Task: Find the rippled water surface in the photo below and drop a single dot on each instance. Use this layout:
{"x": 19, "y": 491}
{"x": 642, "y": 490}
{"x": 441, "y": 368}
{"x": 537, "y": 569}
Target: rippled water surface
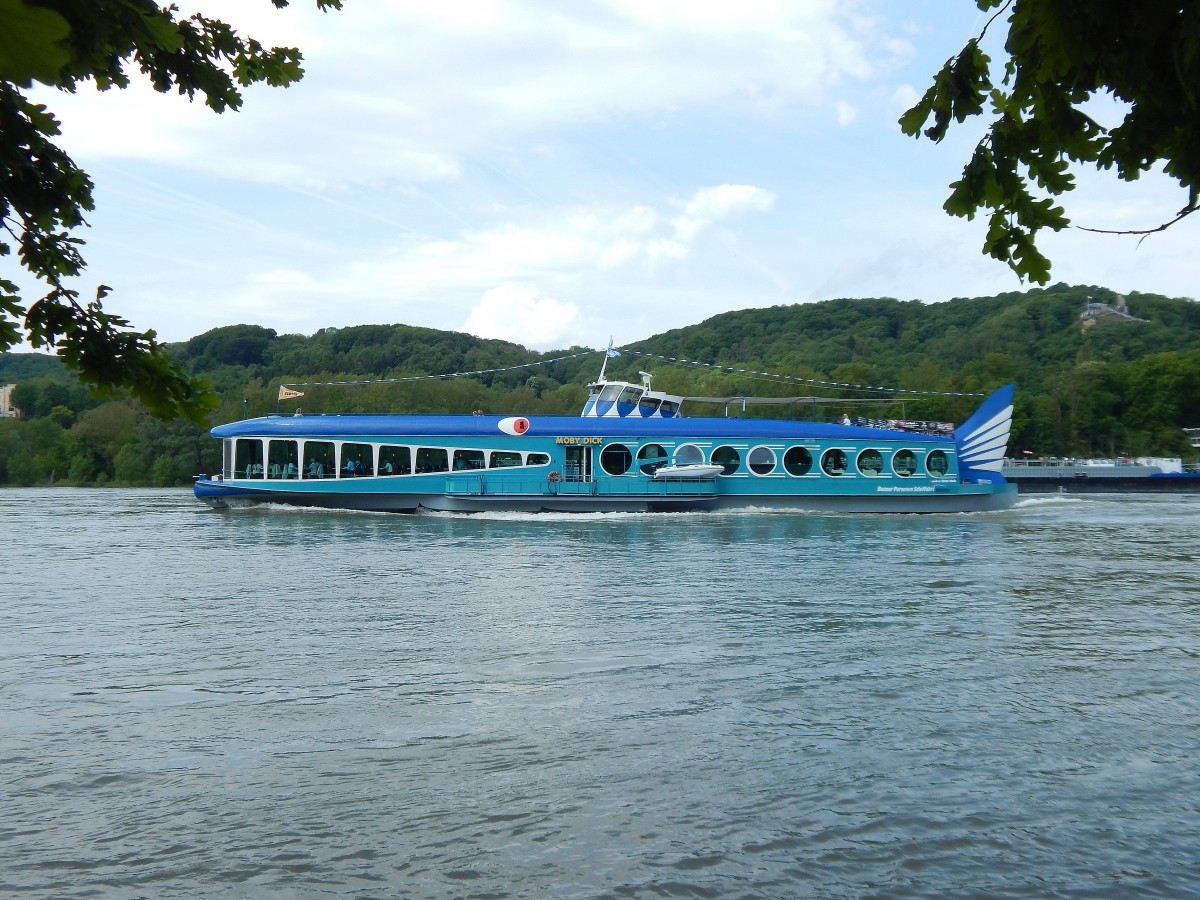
{"x": 313, "y": 704}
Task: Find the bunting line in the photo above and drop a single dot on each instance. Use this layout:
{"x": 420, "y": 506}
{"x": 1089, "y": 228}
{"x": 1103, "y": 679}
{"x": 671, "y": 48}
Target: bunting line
{"x": 613, "y": 352}
{"x": 540, "y": 362}
{"x": 797, "y": 380}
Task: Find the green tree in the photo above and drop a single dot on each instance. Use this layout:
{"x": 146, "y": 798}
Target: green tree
{"x": 1166, "y": 392}
{"x": 1062, "y": 56}
{"x": 32, "y": 452}
{"x": 37, "y": 398}
{"x": 62, "y": 416}
{"x": 102, "y": 432}
{"x": 44, "y": 195}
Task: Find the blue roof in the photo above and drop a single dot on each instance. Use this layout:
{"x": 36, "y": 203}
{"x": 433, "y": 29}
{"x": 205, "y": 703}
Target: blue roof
{"x": 552, "y": 426}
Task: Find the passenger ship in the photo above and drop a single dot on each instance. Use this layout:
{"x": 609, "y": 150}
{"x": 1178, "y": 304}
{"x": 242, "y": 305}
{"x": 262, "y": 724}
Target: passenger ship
{"x": 632, "y": 449}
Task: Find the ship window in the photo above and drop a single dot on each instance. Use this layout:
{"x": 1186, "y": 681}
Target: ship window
{"x": 318, "y": 459}
{"x": 870, "y": 462}
{"x": 248, "y": 459}
{"x": 688, "y": 454}
{"x": 611, "y": 392}
{"x": 904, "y": 463}
{"x": 834, "y": 462}
{"x": 797, "y": 461}
{"x": 762, "y": 460}
{"x": 727, "y": 458}
{"x": 281, "y": 459}
{"x": 537, "y": 459}
{"x": 468, "y": 459}
{"x": 594, "y": 392}
{"x": 668, "y": 408}
{"x": 615, "y": 459}
{"x": 651, "y": 457}
{"x": 357, "y": 461}
{"x": 630, "y": 395}
{"x": 227, "y": 459}
{"x": 395, "y": 461}
{"x": 649, "y": 405}
{"x": 503, "y": 459}
{"x": 936, "y": 463}
{"x": 432, "y": 459}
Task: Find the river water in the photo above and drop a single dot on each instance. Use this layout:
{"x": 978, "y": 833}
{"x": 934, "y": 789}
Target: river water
{"x": 285, "y": 703}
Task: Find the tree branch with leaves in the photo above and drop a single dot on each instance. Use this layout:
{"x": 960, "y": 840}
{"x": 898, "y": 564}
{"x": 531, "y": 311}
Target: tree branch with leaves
{"x": 44, "y": 196}
{"x": 1063, "y": 55}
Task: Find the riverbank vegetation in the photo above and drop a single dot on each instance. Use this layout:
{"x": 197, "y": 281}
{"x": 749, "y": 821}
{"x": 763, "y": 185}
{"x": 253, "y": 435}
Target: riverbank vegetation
{"x": 1111, "y": 384}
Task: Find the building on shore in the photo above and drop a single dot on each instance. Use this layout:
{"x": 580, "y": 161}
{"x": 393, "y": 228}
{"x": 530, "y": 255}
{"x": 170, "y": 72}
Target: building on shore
{"x": 6, "y": 408}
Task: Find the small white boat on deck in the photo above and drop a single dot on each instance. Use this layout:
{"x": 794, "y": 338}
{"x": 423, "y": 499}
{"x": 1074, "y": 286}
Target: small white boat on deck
{"x": 687, "y": 472}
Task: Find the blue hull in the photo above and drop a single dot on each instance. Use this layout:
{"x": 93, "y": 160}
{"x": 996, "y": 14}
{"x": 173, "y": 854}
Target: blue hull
{"x": 233, "y": 496}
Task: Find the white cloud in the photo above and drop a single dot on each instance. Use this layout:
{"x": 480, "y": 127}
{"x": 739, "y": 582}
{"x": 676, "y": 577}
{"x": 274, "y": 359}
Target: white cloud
{"x": 516, "y": 312}
{"x": 535, "y": 269}
{"x": 408, "y": 90}
{"x": 558, "y": 244}
{"x": 711, "y": 204}
{"x": 846, "y": 113}
{"x": 905, "y": 97}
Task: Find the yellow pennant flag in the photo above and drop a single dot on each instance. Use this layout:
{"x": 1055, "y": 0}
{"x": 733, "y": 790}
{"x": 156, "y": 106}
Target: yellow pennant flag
{"x": 288, "y": 393}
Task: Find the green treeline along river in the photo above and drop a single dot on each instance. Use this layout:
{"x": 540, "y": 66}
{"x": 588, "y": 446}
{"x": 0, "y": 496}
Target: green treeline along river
{"x": 1096, "y": 373}
{"x": 286, "y": 703}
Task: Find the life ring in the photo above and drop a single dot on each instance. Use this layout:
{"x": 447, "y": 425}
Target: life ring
{"x": 554, "y": 477}
{"x": 513, "y": 425}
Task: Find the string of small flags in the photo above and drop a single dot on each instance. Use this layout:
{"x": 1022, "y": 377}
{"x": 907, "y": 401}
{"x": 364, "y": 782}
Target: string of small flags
{"x": 798, "y": 380}
{"x": 540, "y": 362}
{"x": 287, "y": 390}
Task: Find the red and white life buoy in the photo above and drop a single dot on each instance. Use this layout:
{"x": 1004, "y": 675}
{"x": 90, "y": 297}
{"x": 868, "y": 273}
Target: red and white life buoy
{"x": 514, "y": 425}
{"x": 554, "y": 477}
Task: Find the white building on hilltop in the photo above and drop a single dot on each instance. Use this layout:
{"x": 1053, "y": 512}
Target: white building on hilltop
{"x": 1095, "y": 311}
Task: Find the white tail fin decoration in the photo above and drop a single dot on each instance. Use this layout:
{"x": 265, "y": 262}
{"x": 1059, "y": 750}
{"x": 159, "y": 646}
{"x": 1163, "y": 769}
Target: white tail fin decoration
{"x": 983, "y": 439}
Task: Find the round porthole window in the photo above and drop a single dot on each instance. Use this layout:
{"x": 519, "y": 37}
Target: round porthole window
{"x": 797, "y": 461}
{"x": 615, "y": 459}
{"x": 870, "y": 463}
{"x": 689, "y": 455}
{"x": 936, "y": 463}
{"x": 728, "y": 459}
{"x": 834, "y": 462}
{"x": 650, "y": 457}
{"x": 904, "y": 463}
{"x": 762, "y": 460}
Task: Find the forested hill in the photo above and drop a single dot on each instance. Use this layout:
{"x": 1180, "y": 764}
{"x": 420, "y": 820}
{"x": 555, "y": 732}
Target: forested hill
{"x": 1034, "y": 338}
{"x": 1110, "y": 385}
{"x": 1030, "y": 338}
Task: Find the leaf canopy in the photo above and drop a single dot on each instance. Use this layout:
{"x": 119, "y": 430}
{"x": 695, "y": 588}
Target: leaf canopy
{"x": 44, "y": 196}
{"x": 1062, "y": 56}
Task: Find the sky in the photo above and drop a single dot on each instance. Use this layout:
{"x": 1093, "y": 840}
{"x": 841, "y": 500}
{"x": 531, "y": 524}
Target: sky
{"x": 558, "y": 173}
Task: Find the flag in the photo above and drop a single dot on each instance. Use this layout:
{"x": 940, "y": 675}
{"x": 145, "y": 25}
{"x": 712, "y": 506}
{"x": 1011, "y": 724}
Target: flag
{"x": 611, "y": 352}
{"x": 288, "y": 393}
